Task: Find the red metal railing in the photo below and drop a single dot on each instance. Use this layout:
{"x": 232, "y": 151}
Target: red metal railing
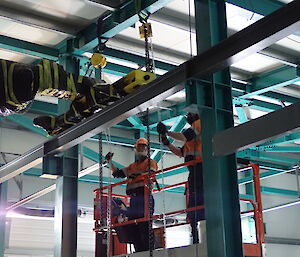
{"x": 251, "y": 249}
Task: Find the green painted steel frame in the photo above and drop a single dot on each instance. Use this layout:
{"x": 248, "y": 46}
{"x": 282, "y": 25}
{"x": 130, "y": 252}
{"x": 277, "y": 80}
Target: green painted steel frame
{"x": 280, "y": 77}
{"x": 66, "y": 196}
{"x": 213, "y": 99}
{"x": 28, "y": 48}
{"x": 114, "y": 22}
{"x": 263, "y": 7}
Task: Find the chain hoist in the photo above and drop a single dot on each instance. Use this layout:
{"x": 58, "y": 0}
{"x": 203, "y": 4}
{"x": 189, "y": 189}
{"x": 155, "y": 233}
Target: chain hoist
{"x": 98, "y": 60}
{"x": 109, "y": 203}
{"x": 150, "y": 202}
{"x": 146, "y": 33}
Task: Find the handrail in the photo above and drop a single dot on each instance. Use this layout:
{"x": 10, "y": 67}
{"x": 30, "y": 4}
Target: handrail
{"x": 257, "y": 206}
{"x": 153, "y": 174}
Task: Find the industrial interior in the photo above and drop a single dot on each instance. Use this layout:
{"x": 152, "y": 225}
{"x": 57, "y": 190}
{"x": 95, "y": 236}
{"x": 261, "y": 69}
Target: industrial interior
{"x": 149, "y": 128}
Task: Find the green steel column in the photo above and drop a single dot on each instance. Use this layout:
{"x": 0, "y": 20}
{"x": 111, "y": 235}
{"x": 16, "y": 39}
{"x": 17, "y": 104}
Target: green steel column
{"x": 65, "y": 226}
{"x": 213, "y": 99}
{"x": 66, "y": 202}
{"x": 3, "y": 204}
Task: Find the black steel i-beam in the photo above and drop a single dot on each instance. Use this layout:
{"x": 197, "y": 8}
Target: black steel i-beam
{"x": 250, "y": 40}
{"x": 258, "y": 131}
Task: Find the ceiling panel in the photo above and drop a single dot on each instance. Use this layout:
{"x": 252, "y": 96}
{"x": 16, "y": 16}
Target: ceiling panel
{"x": 17, "y": 57}
{"x": 30, "y": 33}
{"x": 256, "y": 63}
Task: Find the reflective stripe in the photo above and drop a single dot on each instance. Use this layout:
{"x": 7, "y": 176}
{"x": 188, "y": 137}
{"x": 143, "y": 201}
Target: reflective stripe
{"x": 111, "y": 90}
{"x": 80, "y": 79}
{"x": 47, "y": 74}
{"x": 12, "y": 96}
{"x": 4, "y": 69}
{"x": 52, "y": 122}
{"x": 41, "y": 79}
{"x": 75, "y": 111}
{"x": 55, "y": 72}
{"x": 71, "y": 86}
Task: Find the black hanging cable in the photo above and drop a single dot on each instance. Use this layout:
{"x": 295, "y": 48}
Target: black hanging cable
{"x": 150, "y": 202}
{"x": 100, "y": 173}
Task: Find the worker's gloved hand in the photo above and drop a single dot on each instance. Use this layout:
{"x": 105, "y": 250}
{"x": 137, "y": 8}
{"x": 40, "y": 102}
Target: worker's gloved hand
{"x": 108, "y": 156}
{"x": 161, "y": 128}
{"x": 133, "y": 176}
{"x": 164, "y": 140}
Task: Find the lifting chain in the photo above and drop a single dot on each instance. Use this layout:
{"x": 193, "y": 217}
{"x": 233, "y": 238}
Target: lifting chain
{"x": 109, "y": 207}
{"x": 150, "y": 207}
{"x": 163, "y": 191}
{"x": 100, "y": 176}
{"x": 147, "y": 31}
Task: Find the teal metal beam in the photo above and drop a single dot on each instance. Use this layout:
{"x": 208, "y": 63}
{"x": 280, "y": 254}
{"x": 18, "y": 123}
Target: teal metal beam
{"x": 114, "y": 22}
{"x": 264, "y": 106}
{"x": 43, "y": 107}
{"x": 279, "y": 141}
{"x": 241, "y": 114}
{"x": 26, "y": 123}
{"x": 282, "y": 97}
{"x": 136, "y": 122}
{"x": 270, "y": 157}
{"x": 214, "y": 100}
{"x": 28, "y": 48}
{"x": 279, "y": 191}
{"x": 263, "y": 7}
{"x": 263, "y": 175}
{"x": 283, "y": 149}
{"x": 275, "y": 79}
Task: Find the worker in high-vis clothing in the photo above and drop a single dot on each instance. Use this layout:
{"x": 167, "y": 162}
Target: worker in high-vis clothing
{"x": 191, "y": 150}
{"x": 135, "y": 189}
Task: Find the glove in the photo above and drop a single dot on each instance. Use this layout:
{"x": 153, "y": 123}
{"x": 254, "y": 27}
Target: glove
{"x": 133, "y": 176}
{"x": 164, "y": 140}
{"x": 108, "y": 156}
{"x": 161, "y": 128}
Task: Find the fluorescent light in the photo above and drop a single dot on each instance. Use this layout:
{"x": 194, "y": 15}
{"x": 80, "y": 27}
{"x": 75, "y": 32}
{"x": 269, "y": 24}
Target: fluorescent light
{"x": 274, "y": 208}
{"x": 281, "y": 206}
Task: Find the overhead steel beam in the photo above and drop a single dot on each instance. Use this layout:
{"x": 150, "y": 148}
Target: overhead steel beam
{"x": 267, "y": 31}
{"x": 263, "y": 7}
{"x": 111, "y": 4}
{"x": 22, "y": 163}
{"x": 275, "y": 79}
{"x": 258, "y": 131}
{"x": 28, "y": 48}
{"x": 115, "y": 22}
